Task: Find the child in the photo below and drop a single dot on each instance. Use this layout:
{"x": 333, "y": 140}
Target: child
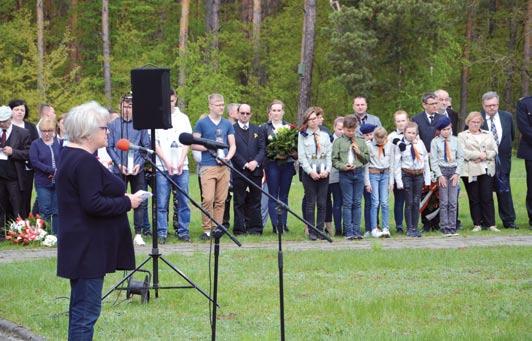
{"x": 334, "y": 193}
{"x": 378, "y": 180}
{"x": 349, "y": 155}
{"x": 411, "y": 169}
{"x": 400, "y": 119}
{"x": 446, "y": 158}
{"x": 366, "y": 131}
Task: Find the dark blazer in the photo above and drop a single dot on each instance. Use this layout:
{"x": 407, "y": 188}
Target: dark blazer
{"x": 34, "y": 134}
{"x": 453, "y": 116}
{"x": 95, "y": 237}
{"x": 508, "y": 134}
{"x": 426, "y": 129}
{"x": 250, "y": 145}
{"x": 524, "y": 124}
{"x": 20, "y": 141}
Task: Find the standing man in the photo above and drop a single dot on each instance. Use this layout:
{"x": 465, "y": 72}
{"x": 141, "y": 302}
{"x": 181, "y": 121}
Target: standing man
{"x": 360, "y": 107}
{"x": 14, "y": 152}
{"x": 501, "y": 125}
{"x": 172, "y": 158}
{"x": 129, "y": 165}
{"x": 445, "y": 109}
{"x": 524, "y": 124}
{"x": 426, "y": 120}
{"x": 248, "y": 159}
{"x": 214, "y": 176}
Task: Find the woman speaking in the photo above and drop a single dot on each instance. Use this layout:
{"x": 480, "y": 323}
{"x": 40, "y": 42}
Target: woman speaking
{"x": 94, "y": 238}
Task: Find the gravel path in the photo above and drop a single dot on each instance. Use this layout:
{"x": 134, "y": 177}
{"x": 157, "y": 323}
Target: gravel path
{"x": 436, "y": 242}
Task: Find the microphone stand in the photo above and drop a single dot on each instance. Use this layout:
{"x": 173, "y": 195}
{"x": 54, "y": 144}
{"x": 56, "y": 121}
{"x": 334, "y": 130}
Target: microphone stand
{"x": 280, "y": 207}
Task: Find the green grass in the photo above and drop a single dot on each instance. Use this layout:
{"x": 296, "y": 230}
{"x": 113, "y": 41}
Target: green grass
{"x": 471, "y": 293}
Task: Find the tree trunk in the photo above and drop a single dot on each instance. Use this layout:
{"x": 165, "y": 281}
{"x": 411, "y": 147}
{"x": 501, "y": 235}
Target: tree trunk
{"x": 508, "y": 102}
{"x": 74, "y": 45}
{"x": 40, "y": 50}
{"x": 464, "y": 78}
{"x": 256, "y": 39}
{"x": 307, "y": 52}
{"x": 183, "y": 37}
{"x": 246, "y": 10}
{"x": 106, "y": 51}
{"x": 212, "y": 9}
{"x": 527, "y": 32}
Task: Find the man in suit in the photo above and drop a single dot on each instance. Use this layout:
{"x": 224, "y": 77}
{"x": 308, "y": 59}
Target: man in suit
{"x": 444, "y": 108}
{"x": 248, "y": 159}
{"x": 426, "y": 120}
{"x": 524, "y": 124}
{"x": 500, "y": 124}
{"x": 14, "y": 152}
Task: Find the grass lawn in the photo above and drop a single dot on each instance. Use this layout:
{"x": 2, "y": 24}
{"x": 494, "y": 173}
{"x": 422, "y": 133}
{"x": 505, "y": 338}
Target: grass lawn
{"x": 470, "y": 293}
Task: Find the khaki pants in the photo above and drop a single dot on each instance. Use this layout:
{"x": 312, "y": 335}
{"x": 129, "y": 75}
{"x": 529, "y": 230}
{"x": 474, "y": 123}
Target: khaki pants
{"x": 214, "y": 185}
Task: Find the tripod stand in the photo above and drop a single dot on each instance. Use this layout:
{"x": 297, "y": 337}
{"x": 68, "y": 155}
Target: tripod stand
{"x": 280, "y": 207}
{"x": 155, "y": 255}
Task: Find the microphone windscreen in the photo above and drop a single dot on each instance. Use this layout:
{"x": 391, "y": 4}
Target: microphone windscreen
{"x": 396, "y": 140}
{"x": 123, "y": 145}
{"x": 186, "y": 138}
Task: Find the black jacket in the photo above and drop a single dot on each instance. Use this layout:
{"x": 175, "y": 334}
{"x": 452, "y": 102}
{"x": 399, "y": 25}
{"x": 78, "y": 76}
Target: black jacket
{"x": 250, "y": 145}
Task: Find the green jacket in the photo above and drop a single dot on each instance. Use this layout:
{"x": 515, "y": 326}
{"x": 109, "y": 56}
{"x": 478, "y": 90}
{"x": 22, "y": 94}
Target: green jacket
{"x": 340, "y": 152}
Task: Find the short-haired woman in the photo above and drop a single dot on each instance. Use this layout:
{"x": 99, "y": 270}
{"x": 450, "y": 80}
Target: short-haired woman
{"x": 45, "y": 156}
{"x": 95, "y": 237}
{"x": 478, "y": 169}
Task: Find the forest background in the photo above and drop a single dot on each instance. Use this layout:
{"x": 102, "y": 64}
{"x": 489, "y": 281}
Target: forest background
{"x": 303, "y": 52}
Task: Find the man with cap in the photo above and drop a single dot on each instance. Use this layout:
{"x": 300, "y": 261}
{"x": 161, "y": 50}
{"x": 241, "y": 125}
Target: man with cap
{"x": 524, "y": 124}
{"x": 14, "y": 152}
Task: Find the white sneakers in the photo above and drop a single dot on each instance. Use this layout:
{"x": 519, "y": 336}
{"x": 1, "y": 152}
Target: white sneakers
{"x": 494, "y": 229}
{"x": 477, "y": 228}
{"x": 386, "y": 233}
{"x": 375, "y": 233}
{"x": 138, "y": 240}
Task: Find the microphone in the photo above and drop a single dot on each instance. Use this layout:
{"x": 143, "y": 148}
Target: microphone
{"x": 188, "y": 139}
{"x": 124, "y": 145}
{"x": 399, "y": 143}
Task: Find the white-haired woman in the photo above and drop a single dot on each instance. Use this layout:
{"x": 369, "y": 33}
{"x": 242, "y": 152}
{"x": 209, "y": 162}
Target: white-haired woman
{"x": 95, "y": 237}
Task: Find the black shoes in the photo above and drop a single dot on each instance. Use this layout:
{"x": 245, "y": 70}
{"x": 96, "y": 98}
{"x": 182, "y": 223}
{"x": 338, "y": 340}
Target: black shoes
{"x": 312, "y": 237}
{"x": 205, "y": 236}
{"x": 413, "y": 233}
{"x": 185, "y": 238}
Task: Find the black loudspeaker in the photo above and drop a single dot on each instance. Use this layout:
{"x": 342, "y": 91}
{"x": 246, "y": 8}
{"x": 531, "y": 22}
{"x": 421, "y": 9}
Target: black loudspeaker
{"x": 151, "y": 98}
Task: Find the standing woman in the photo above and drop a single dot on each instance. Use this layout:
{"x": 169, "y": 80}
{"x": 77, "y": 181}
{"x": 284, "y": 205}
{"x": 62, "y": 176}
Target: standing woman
{"x": 20, "y": 115}
{"x": 45, "y": 155}
{"x": 480, "y": 150}
{"x": 314, "y": 151}
{"x": 279, "y": 173}
{"x": 95, "y": 237}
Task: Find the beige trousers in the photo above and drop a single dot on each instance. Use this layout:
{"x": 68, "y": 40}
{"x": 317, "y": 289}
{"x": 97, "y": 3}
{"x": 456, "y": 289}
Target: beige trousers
{"x": 214, "y": 187}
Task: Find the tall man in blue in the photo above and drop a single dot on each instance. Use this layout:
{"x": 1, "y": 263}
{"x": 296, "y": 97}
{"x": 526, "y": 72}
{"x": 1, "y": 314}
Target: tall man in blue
{"x": 360, "y": 108}
{"x": 426, "y": 120}
{"x": 129, "y": 165}
{"x": 248, "y": 159}
{"x": 524, "y": 124}
{"x": 500, "y": 124}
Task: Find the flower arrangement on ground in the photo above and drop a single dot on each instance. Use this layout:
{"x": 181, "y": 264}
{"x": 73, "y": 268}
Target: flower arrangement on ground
{"x": 283, "y": 143}
{"x": 26, "y": 231}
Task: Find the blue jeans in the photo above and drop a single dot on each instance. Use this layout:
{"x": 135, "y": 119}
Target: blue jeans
{"x": 379, "y": 197}
{"x": 352, "y": 184}
{"x": 279, "y": 178}
{"x": 85, "y": 307}
{"x": 334, "y": 207}
{"x": 398, "y": 207}
{"x": 47, "y": 197}
{"x": 163, "y": 195}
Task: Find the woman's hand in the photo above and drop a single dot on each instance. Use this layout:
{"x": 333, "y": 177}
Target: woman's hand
{"x": 135, "y": 199}
{"x": 315, "y": 176}
{"x": 442, "y": 181}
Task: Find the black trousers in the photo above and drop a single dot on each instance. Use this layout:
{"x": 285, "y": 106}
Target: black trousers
{"x": 480, "y": 195}
{"x": 25, "y": 203}
{"x": 315, "y": 201}
{"x": 137, "y": 183}
{"x": 246, "y": 205}
{"x": 506, "y": 204}
{"x": 10, "y": 201}
{"x": 528, "y": 167}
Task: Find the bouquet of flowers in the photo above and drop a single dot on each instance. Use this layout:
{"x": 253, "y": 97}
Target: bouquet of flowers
{"x": 283, "y": 143}
{"x": 26, "y": 231}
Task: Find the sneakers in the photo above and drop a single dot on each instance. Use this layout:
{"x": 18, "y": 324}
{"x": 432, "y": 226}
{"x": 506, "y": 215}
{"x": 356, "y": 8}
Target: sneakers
{"x": 205, "y": 236}
{"x": 184, "y": 238}
{"x": 494, "y": 229}
{"x": 138, "y": 240}
{"x": 312, "y": 237}
{"x": 386, "y": 233}
{"x": 477, "y": 228}
{"x": 367, "y": 234}
{"x": 375, "y": 233}
{"x": 413, "y": 233}
{"x": 399, "y": 230}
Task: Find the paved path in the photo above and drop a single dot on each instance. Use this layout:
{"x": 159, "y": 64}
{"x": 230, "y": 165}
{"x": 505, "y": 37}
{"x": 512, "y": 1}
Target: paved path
{"x": 436, "y": 242}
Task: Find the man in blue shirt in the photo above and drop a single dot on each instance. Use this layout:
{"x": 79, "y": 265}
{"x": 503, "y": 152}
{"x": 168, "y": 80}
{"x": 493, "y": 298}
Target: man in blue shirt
{"x": 214, "y": 176}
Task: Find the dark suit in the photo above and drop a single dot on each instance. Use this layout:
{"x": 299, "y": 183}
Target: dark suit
{"x": 524, "y": 124}
{"x": 13, "y": 178}
{"x": 453, "y": 116}
{"x": 504, "y": 197}
{"x": 250, "y": 145}
{"x": 426, "y": 129}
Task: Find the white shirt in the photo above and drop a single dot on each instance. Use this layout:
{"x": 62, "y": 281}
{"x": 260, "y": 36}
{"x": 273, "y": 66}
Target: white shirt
{"x": 242, "y": 125}
{"x": 498, "y": 126}
{"x": 165, "y": 137}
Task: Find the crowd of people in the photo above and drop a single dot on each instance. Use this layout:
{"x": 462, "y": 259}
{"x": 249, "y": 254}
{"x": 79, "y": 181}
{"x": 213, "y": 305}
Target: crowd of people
{"x": 357, "y": 160}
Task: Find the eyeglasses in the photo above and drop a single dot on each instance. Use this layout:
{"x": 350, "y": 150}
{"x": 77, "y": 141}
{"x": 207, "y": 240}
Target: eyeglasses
{"x": 106, "y": 129}
{"x": 245, "y": 113}
{"x": 432, "y": 103}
